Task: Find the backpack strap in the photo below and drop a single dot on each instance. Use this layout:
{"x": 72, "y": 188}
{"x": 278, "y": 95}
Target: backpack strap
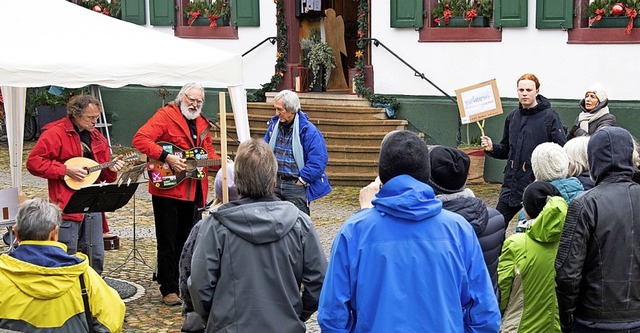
{"x": 85, "y": 300}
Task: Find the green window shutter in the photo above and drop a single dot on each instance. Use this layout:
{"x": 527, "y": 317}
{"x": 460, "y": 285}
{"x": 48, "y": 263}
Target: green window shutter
{"x": 406, "y": 13}
{"x": 554, "y": 14}
{"x": 245, "y": 13}
{"x": 162, "y": 12}
{"x": 133, "y": 11}
{"x": 510, "y": 13}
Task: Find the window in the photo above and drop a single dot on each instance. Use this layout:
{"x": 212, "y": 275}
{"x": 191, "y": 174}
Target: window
{"x": 583, "y": 34}
{"x": 432, "y": 33}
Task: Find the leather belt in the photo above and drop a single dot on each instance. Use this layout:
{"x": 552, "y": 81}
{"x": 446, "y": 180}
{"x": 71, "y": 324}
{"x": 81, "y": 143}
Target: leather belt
{"x": 286, "y": 177}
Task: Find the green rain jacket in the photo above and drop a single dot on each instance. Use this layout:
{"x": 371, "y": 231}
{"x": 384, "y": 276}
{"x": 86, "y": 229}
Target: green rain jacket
{"x": 526, "y": 273}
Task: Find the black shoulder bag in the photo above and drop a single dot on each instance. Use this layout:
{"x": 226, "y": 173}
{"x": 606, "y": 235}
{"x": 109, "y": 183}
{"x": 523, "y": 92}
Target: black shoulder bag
{"x": 85, "y": 300}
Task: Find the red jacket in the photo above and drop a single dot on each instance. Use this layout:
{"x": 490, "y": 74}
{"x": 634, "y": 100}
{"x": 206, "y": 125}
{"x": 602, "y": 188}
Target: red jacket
{"x": 58, "y": 143}
{"x": 169, "y": 125}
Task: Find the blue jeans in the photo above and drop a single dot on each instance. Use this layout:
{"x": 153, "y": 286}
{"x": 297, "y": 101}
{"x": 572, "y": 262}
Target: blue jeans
{"x": 86, "y": 237}
{"x": 287, "y": 190}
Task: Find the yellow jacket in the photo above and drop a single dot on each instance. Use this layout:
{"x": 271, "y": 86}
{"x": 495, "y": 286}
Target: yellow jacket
{"x": 48, "y": 296}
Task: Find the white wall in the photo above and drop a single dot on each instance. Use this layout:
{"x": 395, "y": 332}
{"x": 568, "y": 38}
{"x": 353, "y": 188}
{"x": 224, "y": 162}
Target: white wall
{"x": 565, "y": 70}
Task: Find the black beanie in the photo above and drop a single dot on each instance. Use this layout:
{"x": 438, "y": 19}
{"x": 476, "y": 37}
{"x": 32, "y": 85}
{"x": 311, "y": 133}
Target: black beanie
{"x": 403, "y": 153}
{"x": 449, "y": 169}
{"x": 536, "y": 195}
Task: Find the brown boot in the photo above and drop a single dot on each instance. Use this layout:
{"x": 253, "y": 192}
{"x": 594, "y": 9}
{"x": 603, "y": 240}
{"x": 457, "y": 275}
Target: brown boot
{"x": 171, "y": 299}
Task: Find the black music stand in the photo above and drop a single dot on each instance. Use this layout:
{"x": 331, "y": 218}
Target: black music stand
{"x": 98, "y": 198}
{"x": 133, "y": 175}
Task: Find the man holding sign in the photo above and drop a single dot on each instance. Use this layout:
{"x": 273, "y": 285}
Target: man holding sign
{"x": 529, "y": 125}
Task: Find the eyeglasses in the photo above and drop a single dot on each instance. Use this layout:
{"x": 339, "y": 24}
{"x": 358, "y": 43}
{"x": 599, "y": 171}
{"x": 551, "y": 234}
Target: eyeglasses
{"x": 194, "y": 101}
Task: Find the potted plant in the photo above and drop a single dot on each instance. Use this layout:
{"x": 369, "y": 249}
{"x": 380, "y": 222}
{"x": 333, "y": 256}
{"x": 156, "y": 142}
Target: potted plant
{"x": 109, "y": 8}
{"x": 476, "y": 154}
{"x": 460, "y": 13}
{"x": 207, "y": 13}
{"x": 320, "y": 61}
{"x": 613, "y": 14}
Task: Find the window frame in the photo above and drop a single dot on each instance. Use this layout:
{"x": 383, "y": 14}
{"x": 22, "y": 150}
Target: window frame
{"x": 430, "y": 32}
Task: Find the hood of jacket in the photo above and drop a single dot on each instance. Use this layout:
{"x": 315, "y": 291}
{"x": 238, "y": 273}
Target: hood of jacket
{"x": 610, "y": 152}
{"x": 543, "y": 104}
{"x": 547, "y": 227}
{"x": 407, "y": 198}
{"x": 569, "y": 187}
{"x": 471, "y": 208}
{"x": 42, "y": 282}
{"x": 258, "y": 221}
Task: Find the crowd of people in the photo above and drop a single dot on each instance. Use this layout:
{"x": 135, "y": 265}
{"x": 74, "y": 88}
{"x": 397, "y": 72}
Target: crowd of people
{"x": 422, "y": 254}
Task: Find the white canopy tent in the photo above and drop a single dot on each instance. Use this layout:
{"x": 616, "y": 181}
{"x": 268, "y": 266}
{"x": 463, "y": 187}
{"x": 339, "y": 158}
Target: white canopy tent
{"x": 63, "y": 44}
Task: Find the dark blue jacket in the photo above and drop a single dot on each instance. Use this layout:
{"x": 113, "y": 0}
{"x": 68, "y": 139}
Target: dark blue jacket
{"x": 487, "y": 223}
{"x": 524, "y": 130}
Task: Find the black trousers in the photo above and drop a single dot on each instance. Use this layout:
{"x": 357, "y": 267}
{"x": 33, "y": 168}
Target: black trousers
{"x": 507, "y": 211}
{"x": 174, "y": 220}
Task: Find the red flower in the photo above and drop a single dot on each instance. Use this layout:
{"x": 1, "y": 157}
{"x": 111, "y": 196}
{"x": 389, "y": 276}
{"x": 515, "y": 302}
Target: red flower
{"x": 193, "y": 16}
{"x": 97, "y": 8}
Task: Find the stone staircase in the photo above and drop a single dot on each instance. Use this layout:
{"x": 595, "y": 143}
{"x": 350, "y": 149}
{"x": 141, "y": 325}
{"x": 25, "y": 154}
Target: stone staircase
{"x": 352, "y": 129}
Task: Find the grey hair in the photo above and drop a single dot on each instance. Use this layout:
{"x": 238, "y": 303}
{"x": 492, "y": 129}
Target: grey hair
{"x": 289, "y": 99}
{"x": 576, "y": 150}
{"x": 78, "y": 104}
{"x": 255, "y": 169}
{"x": 186, "y": 88}
{"x": 36, "y": 218}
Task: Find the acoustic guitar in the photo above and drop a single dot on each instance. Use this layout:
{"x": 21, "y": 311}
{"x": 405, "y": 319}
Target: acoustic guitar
{"x": 162, "y": 176}
{"x": 93, "y": 169}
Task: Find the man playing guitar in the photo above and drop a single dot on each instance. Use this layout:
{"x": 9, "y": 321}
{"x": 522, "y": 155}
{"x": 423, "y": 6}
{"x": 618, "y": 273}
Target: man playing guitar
{"x": 69, "y": 137}
{"x": 169, "y": 136}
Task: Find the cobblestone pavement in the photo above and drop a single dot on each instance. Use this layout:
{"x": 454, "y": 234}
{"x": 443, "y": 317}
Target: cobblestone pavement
{"x": 147, "y": 313}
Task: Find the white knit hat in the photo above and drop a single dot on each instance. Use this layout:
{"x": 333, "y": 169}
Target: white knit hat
{"x": 599, "y": 90}
{"x": 549, "y": 162}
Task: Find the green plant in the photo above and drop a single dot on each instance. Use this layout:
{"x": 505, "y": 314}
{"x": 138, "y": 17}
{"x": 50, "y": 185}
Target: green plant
{"x": 605, "y": 8}
{"x": 320, "y": 56}
{"x": 41, "y": 96}
{"x": 109, "y": 8}
{"x": 211, "y": 10}
{"x": 445, "y": 9}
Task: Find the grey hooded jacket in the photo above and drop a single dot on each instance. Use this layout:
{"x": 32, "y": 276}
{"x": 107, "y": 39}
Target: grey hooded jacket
{"x": 258, "y": 266}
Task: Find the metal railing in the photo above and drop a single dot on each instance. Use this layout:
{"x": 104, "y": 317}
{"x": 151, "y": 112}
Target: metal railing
{"x": 271, "y": 40}
{"x": 417, "y": 73}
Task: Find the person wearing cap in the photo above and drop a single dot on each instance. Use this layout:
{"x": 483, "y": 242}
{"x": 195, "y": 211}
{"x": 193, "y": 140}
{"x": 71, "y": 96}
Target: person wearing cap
{"x": 525, "y": 271}
{"x": 193, "y": 322}
{"x": 406, "y": 264}
{"x": 258, "y": 265}
{"x": 598, "y": 261}
{"x": 594, "y": 113}
{"x": 449, "y": 170}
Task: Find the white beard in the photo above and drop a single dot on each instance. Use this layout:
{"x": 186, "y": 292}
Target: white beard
{"x": 187, "y": 113}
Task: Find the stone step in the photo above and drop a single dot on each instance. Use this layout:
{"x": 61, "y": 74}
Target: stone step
{"x": 339, "y": 166}
{"x": 333, "y": 125}
{"x": 323, "y": 111}
{"x": 366, "y": 154}
{"x": 353, "y": 139}
{"x": 325, "y": 98}
{"x": 358, "y": 179}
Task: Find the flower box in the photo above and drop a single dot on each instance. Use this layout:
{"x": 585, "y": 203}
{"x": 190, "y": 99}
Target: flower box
{"x": 614, "y": 22}
{"x": 459, "y": 22}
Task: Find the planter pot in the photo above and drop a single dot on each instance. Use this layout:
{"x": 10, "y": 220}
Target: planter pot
{"x": 223, "y": 21}
{"x": 318, "y": 86}
{"x": 614, "y": 22}
{"x": 476, "y": 165}
{"x": 459, "y": 22}
{"x": 201, "y": 21}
